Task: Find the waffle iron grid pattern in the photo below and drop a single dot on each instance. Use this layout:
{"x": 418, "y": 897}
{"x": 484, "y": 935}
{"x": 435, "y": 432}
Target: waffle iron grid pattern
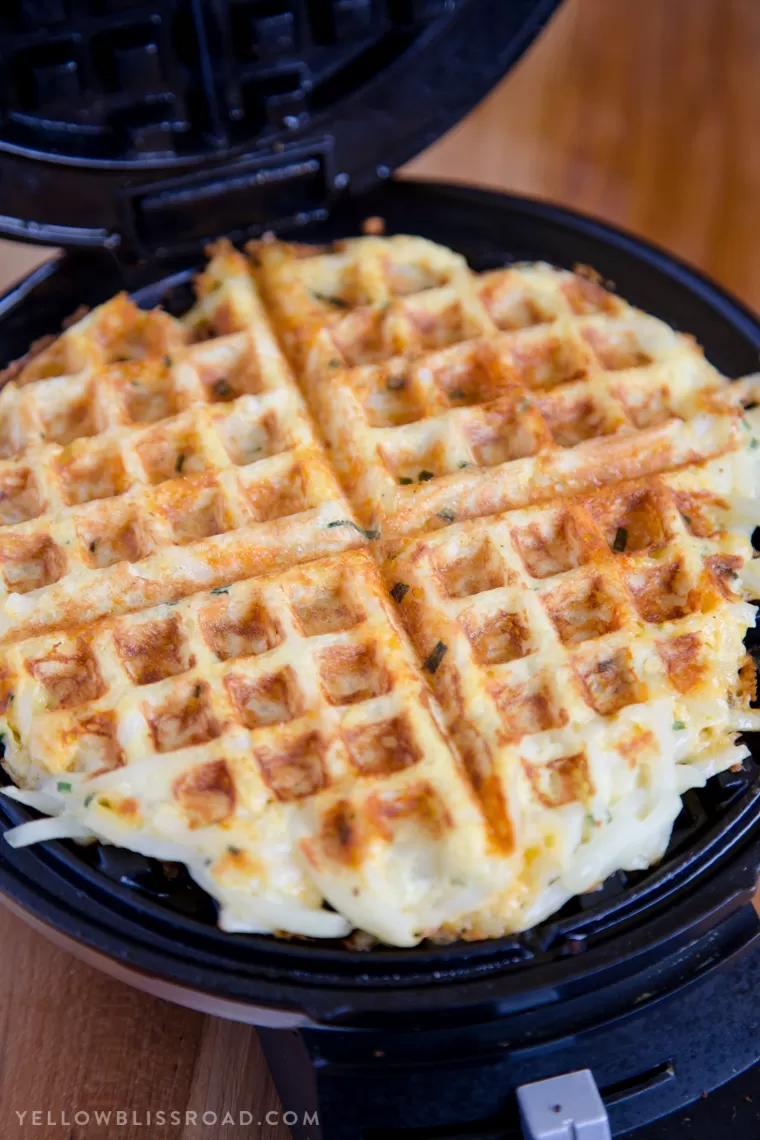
{"x": 103, "y": 80}
{"x": 543, "y": 621}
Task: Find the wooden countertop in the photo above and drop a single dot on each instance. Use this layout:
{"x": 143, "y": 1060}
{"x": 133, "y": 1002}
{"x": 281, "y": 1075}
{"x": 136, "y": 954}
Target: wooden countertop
{"x": 641, "y": 112}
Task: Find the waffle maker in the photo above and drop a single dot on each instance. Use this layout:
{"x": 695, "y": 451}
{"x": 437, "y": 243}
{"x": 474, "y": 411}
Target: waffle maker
{"x": 130, "y": 134}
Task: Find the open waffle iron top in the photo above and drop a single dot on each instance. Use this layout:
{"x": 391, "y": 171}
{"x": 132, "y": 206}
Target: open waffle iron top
{"x": 135, "y": 910}
{"x": 148, "y": 128}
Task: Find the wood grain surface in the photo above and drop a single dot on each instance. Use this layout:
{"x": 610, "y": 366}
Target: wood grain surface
{"x": 643, "y": 112}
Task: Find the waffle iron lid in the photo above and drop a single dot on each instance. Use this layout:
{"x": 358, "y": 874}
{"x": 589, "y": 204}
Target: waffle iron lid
{"x": 149, "y": 128}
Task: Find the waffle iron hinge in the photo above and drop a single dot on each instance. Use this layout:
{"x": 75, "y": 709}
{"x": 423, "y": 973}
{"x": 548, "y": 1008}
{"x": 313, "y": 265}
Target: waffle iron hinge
{"x": 293, "y": 185}
{"x": 567, "y": 1107}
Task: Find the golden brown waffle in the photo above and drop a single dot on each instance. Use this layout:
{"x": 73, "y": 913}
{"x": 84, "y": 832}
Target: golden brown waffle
{"x": 556, "y": 494}
{"x": 441, "y": 401}
{"x": 588, "y": 656}
{"x": 165, "y": 464}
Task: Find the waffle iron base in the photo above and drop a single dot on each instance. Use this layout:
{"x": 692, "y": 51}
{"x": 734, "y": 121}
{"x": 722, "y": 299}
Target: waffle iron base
{"x": 649, "y": 983}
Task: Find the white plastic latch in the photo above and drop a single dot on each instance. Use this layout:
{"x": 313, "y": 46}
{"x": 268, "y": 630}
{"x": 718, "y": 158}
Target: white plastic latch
{"x": 567, "y": 1107}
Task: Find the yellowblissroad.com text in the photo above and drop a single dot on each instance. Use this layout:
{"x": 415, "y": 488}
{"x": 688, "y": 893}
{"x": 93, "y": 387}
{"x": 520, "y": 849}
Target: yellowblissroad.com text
{"x": 130, "y": 1118}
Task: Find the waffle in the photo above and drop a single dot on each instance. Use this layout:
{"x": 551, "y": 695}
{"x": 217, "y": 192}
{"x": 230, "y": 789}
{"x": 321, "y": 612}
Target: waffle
{"x": 177, "y": 456}
{"x": 493, "y": 704}
{"x": 446, "y": 395}
{"x": 589, "y": 658}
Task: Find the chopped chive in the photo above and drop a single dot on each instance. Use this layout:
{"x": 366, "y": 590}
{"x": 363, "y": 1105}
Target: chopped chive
{"x": 88, "y": 799}
{"x": 436, "y": 657}
{"x": 371, "y": 535}
{"x": 678, "y": 726}
{"x": 334, "y": 363}
{"x": 234, "y": 850}
{"x": 746, "y": 425}
{"x": 399, "y": 591}
{"x": 464, "y": 463}
{"x": 425, "y": 476}
{"x": 64, "y": 786}
{"x": 447, "y": 515}
{"x": 180, "y": 462}
{"x": 167, "y": 361}
{"x": 396, "y": 383}
{"x": 338, "y": 302}
{"x": 220, "y": 590}
{"x": 753, "y": 443}
{"x": 405, "y": 480}
{"x": 621, "y": 540}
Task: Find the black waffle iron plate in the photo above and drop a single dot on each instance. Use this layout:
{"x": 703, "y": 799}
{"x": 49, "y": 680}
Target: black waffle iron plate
{"x": 131, "y": 134}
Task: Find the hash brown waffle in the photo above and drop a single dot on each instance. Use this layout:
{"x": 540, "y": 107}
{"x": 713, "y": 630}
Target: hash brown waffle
{"x": 495, "y": 704}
